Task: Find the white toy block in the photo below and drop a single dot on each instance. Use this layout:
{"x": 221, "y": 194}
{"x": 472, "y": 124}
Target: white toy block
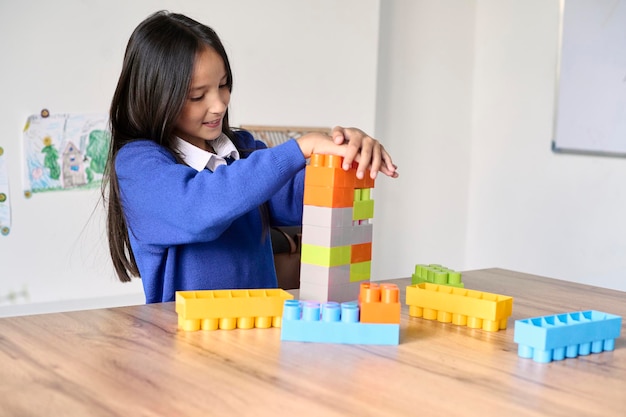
{"x": 327, "y": 216}
{"x": 362, "y": 233}
{"x": 324, "y": 293}
{"x": 324, "y": 275}
{"x": 326, "y": 236}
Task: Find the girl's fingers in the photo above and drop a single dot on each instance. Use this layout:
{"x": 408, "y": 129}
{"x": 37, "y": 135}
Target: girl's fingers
{"x": 375, "y": 165}
{"x": 338, "y": 135}
{"x": 354, "y": 145}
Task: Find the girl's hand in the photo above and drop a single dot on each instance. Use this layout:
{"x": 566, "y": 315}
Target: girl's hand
{"x": 353, "y": 145}
{"x": 367, "y": 151}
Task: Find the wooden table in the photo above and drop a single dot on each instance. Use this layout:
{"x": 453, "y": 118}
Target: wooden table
{"x": 132, "y": 361}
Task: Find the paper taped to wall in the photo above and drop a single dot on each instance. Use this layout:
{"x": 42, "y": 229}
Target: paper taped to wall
{"x": 64, "y": 151}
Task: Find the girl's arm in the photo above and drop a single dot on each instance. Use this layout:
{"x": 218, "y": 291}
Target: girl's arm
{"x": 168, "y": 203}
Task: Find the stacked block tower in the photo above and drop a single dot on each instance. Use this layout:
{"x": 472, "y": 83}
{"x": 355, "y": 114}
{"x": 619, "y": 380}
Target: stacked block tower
{"x": 336, "y": 231}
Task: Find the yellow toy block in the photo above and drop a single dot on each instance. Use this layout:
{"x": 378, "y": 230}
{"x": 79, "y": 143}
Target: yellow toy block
{"x": 229, "y": 309}
{"x": 474, "y": 309}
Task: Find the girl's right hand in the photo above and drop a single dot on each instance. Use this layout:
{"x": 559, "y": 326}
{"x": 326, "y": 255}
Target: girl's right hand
{"x": 352, "y": 144}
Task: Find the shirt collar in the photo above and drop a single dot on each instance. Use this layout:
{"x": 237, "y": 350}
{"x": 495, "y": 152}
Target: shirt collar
{"x": 200, "y": 159}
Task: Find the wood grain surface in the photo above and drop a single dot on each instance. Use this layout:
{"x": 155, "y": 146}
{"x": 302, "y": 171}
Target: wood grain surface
{"x": 132, "y": 361}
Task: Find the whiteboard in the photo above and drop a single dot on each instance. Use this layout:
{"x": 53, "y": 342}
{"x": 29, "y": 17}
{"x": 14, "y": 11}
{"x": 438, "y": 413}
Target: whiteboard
{"x": 590, "y": 114}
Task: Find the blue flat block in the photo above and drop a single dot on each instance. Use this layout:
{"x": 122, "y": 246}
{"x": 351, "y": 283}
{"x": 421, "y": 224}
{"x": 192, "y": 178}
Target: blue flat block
{"x": 333, "y": 323}
{"x": 566, "y": 335}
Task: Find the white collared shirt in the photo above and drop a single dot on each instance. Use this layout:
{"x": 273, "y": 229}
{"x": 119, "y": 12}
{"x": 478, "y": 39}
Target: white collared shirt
{"x": 199, "y": 159}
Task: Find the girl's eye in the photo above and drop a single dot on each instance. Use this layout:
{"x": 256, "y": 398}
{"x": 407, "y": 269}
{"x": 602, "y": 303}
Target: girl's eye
{"x": 196, "y": 98}
{"x": 223, "y": 85}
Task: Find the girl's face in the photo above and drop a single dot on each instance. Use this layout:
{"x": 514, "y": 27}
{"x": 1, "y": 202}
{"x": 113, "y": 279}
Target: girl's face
{"x": 207, "y": 101}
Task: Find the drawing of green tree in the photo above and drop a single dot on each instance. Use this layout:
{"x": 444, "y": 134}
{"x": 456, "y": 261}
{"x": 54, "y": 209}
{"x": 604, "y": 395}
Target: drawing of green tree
{"x": 98, "y": 149}
{"x": 51, "y": 160}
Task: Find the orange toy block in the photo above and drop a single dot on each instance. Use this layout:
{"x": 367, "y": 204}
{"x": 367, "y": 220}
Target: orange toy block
{"x": 365, "y": 182}
{"x": 361, "y": 252}
{"x": 318, "y": 176}
{"x": 339, "y": 177}
{"x": 379, "y": 303}
{"x": 328, "y": 161}
{"x": 328, "y": 196}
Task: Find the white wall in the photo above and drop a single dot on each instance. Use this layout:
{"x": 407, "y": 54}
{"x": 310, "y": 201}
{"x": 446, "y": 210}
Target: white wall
{"x": 308, "y": 62}
{"x": 424, "y": 118}
{"x": 530, "y": 209}
{"x": 466, "y": 101}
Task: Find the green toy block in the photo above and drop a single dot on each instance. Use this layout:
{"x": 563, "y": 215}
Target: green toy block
{"x": 363, "y": 209}
{"x": 323, "y": 256}
{"x": 360, "y": 271}
{"x": 436, "y": 274}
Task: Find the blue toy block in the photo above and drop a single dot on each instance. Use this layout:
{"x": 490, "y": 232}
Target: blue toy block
{"x": 566, "y": 335}
{"x": 333, "y": 323}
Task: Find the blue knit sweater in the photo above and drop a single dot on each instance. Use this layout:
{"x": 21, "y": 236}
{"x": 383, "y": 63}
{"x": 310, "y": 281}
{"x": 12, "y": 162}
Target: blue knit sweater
{"x": 193, "y": 230}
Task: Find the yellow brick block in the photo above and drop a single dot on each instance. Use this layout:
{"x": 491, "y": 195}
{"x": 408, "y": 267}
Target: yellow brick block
{"x": 474, "y": 309}
{"x": 229, "y": 309}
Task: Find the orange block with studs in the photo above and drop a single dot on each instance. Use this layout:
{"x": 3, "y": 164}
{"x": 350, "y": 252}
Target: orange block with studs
{"x": 327, "y": 171}
{"x": 380, "y": 303}
{"x": 328, "y": 177}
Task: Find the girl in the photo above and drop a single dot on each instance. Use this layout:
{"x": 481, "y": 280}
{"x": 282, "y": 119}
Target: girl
{"x": 191, "y": 200}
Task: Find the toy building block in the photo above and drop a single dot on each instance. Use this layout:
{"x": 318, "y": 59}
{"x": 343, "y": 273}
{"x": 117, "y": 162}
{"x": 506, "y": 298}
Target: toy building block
{"x": 327, "y": 216}
{"x": 436, "y": 274}
{"x": 229, "y": 309}
{"x": 337, "y": 292}
{"x": 325, "y": 256}
{"x": 361, "y": 253}
{"x": 328, "y": 197}
{"x": 380, "y": 303}
{"x": 561, "y": 336}
{"x": 324, "y": 275}
{"x": 356, "y": 233}
{"x": 326, "y": 236}
{"x": 326, "y": 171}
{"x": 460, "y": 306}
{"x": 336, "y": 230}
{"x": 333, "y": 323}
{"x": 360, "y": 271}
{"x": 363, "y": 204}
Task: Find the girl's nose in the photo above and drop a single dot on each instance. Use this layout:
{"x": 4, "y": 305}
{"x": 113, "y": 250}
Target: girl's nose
{"x": 217, "y": 103}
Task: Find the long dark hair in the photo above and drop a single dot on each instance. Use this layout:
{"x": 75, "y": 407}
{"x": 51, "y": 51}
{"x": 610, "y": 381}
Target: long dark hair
{"x": 150, "y": 94}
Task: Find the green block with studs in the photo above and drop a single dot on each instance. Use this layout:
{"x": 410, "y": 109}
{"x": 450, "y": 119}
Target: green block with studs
{"x": 436, "y": 274}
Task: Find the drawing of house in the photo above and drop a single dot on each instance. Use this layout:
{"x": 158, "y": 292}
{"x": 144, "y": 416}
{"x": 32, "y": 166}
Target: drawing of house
{"x": 73, "y": 167}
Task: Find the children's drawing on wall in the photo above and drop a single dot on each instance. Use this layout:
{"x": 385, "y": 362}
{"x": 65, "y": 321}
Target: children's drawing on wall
{"x": 64, "y": 151}
{"x": 5, "y": 206}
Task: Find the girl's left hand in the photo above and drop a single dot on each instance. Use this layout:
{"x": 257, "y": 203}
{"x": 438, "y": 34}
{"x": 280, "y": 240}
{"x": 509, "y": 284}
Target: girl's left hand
{"x": 367, "y": 151}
